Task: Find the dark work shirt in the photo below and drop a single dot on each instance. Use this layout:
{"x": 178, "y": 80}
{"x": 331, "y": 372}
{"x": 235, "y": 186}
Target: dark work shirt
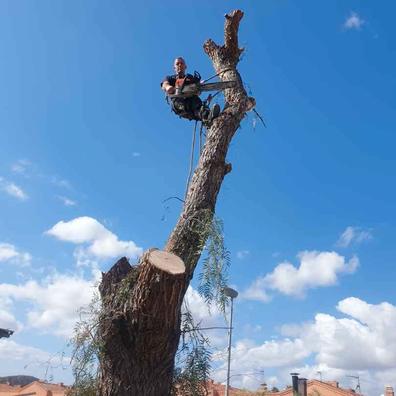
{"x": 174, "y": 81}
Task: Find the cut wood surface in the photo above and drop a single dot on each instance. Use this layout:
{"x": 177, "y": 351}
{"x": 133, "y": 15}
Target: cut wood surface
{"x": 167, "y": 262}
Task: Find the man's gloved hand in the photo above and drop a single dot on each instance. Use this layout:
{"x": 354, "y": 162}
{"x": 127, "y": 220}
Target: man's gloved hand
{"x": 170, "y": 90}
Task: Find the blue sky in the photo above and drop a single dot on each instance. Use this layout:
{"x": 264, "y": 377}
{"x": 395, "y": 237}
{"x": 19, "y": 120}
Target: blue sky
{"x": 89, "y": 144}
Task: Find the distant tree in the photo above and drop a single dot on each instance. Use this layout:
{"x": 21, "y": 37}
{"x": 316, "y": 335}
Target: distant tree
{"x": 21, "y": 380}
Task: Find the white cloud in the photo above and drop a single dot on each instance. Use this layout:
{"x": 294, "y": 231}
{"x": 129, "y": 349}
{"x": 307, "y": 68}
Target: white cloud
{"x": 354, "y": 21}
{"x": 12, "y": 189}
{"x": 8, "y": 321}
{"x": 54, "y": 303}
{"x": 26, "y": 168}
{"x": 316, "y": 269}
{"x": 101, "y": 242}
{"x": 21, "y": 166}
{"x": 363, "y": 342}
{"x": 353, "y": 235}
{"x": 15, "y": 191}
{"x": 257, "y": 291}
{"x": 375, "y": 322}
{"x": 241, "y": 254}
{"x": 56, "y": 181}
{"x": 25, "y": 359}
{"x": 270, "y": 353}
{"x": 136, "y": 154}
{"x": 67, "y": 201}
{"x": 9, "y": 253}
{"x": 251, "y": 329}
{"x": 206, "y": 318}
{"x": 199, "y": 309}
{"x": 10, "y": 350}
{"x": 250, "y": 358}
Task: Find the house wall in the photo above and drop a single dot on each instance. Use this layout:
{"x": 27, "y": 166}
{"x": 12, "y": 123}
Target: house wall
{"x": 6, "y": 391}
{"x": 43, "y": 389}
{"x": 389, "y": 391}
{"x": 34, "y": 389}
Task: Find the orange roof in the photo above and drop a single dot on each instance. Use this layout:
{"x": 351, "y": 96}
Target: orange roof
{"x": 337, "y": 391}
{"x": 52, "y": 387}
{"x": 320, "y": 384}
{"x": 218, "y": 389}
{"x": 6, "y": 387}
{"x": 47, "y": 386}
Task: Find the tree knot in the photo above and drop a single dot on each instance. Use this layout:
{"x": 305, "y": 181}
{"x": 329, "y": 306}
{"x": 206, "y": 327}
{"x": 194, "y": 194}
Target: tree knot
{"x": 227, "y": 168}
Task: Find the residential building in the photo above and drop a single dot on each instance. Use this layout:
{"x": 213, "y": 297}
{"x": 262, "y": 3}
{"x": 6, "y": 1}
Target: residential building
{"x": 305, "y": 388}
{"x": 8, "y": 390}
{"x": 216, "y": 389}
{"x": 36, "y": 388}
{"x": 389, "y": 391}
{"x": 317, "y": 388}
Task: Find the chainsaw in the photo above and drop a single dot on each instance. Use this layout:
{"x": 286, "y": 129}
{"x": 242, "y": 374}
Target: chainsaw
{"x": 196, "y": 89}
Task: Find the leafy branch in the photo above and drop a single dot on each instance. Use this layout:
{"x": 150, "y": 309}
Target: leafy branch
{"x": 214, "y": 276}
{"x": 86, "y": 350}
{"x": 192, "y": 359}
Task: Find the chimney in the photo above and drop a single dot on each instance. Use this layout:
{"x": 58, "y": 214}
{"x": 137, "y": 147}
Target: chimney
{"x": 333, "y": 383}
{"x": 295, "y": 383}
{"x": 302, "y": 387}
{"x": 389, "y": 391}
{"x": 263, "y": 387}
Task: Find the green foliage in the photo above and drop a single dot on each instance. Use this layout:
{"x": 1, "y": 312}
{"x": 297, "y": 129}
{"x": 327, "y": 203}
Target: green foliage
{"x": 87, "y": 387}
{"x": 86, "y": 350}
{"x": 214, "y": 275}
{"x": 125, "y": 287}
{"x": 192, "y": 360}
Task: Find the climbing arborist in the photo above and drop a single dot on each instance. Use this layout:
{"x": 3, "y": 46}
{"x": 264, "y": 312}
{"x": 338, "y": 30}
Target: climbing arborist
{"x": 191, "y": 107}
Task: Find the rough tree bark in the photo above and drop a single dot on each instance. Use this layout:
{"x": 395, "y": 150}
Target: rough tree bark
{"x": 140, "y": 326}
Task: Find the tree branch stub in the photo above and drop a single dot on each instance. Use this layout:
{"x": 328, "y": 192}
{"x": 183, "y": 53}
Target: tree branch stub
{"x": 227, "y": 54}
{"x": 231, "y": 27}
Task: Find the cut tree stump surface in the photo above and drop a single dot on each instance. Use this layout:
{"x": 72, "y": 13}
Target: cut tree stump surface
{"x": 167, "y": 262}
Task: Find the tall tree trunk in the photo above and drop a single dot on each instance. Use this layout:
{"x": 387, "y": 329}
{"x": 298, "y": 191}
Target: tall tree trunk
{"x": 140, "y": 325}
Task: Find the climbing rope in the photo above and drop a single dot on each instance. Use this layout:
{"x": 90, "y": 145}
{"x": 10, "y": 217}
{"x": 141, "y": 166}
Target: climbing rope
{"x": 191, "y": 158}
{"x": 218, "y": 74}
{"x": 201, "y": 135}
{"x": 200, "y": 138}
